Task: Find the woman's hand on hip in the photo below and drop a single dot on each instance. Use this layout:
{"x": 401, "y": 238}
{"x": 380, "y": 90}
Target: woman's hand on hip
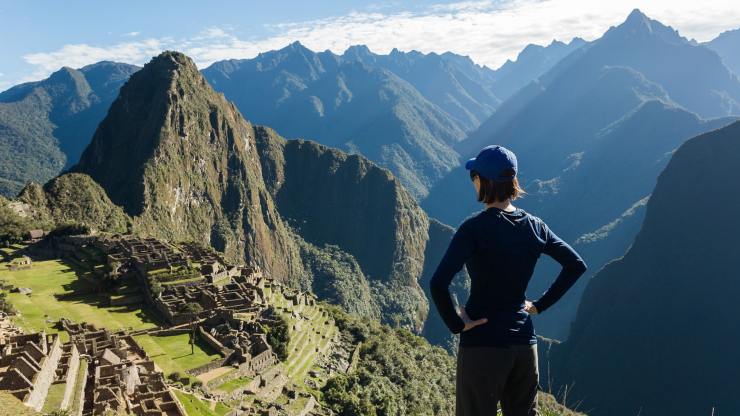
{"x": 530, "y": 308}
{"x": 469, "y": 323}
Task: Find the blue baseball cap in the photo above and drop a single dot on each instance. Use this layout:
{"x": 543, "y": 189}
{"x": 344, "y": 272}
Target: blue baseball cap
{"x": 492, "y": 161}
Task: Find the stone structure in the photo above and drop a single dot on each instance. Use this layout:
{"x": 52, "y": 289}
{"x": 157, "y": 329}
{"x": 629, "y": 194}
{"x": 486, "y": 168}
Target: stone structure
{"x": 122, "y": 377}
{"x": 29, "y": 362}
{"x": 22, "y": 262}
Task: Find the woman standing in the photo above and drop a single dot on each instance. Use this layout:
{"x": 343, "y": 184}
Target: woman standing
{"x": 497, "y": 357}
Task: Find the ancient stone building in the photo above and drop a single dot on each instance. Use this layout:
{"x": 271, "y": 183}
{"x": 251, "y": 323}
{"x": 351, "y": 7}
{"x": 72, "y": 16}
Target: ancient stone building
{"x": 29, "y": 364}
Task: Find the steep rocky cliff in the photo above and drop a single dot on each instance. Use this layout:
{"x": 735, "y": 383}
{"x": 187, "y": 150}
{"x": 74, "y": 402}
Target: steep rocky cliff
{"x": 181, "y": 159}
{"x": 661, "y": 322}
{"x": 331, "y": 197}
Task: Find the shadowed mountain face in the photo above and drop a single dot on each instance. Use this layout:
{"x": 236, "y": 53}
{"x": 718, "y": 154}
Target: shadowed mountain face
{"x": 45, "y": 125}
{"x": 664, "y": 314}
{"x": 727, "y": 46}
{"x": 185, "y": 165}
{"x": 358, "y": 105}
{"x": 591, "y": 136}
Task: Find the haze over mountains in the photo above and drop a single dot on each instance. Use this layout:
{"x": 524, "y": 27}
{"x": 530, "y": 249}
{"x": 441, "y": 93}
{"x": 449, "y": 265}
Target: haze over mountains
{"x": 404, "y": 110}
{"x": 593, "y": 124}
{"x": 727, "y": 45}
{"x": 658, "y": 328}
{"x": 592, "y": 135}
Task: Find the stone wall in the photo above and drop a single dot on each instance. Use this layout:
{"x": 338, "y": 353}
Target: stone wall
{"x": 214, "y": 343}
{"x": 206, "y": 367}
{"x": 45, "y": 377}
{"x": 74, "y": 366}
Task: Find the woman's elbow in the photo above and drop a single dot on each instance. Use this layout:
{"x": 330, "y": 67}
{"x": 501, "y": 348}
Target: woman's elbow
{"x": 437, "y": 284}
{"x": 581, "y": 266}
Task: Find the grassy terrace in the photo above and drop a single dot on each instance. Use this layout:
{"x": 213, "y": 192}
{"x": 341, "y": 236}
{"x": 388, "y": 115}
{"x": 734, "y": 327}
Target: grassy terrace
{"x": 172, "y": 353}
{"x": 75, "y": 405}
{"x": 54, "y": 277}
{"x": 234, "y": 384}
{"x": 302, "y": 353}
{"x": 47, "y": 279}
{"x": 196, "y": 407}
{"x": 9, "y": 405}
{"x": 54, "y": 397}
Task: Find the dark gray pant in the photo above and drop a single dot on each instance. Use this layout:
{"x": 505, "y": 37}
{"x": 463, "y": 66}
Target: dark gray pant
{"x": 487, "y": 375}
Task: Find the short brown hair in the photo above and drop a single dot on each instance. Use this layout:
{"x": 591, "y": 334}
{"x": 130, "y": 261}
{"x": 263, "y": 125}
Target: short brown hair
{"x": 492, "y": 191}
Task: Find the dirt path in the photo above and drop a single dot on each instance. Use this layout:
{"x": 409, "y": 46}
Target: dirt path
{"x": 215, "y": 373}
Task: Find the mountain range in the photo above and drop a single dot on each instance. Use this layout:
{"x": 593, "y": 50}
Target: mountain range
{"x": 727, "y": 45}
{"x": 592, "y": 135}
{"x": 173, "y": 159}
{"x": 45, "y": 125}
{"x": 403, "y": 110}
{"x": 663, "y": 316}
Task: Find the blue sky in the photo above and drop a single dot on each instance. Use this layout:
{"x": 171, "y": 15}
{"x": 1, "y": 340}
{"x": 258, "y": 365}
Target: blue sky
{"x": 37, "y": 37}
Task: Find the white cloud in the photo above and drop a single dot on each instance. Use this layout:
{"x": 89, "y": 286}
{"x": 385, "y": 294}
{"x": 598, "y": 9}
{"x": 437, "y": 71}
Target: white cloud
{"x": 132, "y": 34}
{"x": 79, "y": 55}
{"x": 488, "y": 31}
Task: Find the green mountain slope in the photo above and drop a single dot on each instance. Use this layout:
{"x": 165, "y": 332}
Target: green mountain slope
{"x": 45, "y": 125}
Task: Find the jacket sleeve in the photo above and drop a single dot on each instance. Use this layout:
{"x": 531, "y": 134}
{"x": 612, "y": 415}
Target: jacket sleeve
{"x": 572, "y": 264}
{"x": 459, "y": 250}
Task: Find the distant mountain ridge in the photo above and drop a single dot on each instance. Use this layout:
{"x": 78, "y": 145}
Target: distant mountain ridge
{"x": 403, "y": 110}
{"x": 343, "y": 101}
{"x": 531, "y": 63}
{"x": 45, "y": 125}
{"x": 727, "y": 45}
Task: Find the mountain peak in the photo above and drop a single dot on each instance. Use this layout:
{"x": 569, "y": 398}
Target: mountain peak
{"x": 358, "y": 49}
{"x": 171, "y": 60}
{"x": 152, "y": 113}
{"x": 636, "y": 16}
{"x": 640, "y": 26}
{"x": 297, "y": 46}
{"x": 69, "y": 78}
{"x": 357, "y": 52}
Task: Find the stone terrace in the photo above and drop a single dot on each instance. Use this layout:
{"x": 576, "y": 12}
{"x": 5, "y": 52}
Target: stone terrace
{"x": 123, "y": 378}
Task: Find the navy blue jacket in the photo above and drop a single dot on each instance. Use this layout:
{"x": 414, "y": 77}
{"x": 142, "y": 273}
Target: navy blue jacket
{"x": 500, "y": 250}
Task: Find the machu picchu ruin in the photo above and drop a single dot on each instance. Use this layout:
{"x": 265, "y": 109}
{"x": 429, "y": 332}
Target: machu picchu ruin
{"x": 188, "y": 299}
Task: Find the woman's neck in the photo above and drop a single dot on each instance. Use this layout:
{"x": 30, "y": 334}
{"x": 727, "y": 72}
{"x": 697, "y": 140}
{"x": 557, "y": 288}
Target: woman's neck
{"x": 505, "y": 205}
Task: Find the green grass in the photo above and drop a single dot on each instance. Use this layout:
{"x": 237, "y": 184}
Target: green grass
{"x": 234, "y": 384}
{"x": 54, "y": 397}
{"x": 49, "y": 278}
{"x": 196, "y": 407}
{"x": 10, "y": 405}
{"x": 172, "y": 353}
{"x": 188, "y": 280}
{"x": 74, "y": 407}
{"x": 302, "y": 349}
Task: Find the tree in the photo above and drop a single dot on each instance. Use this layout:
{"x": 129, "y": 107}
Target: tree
{"x": 192, "y": 309}
{"x": 278, "y": 334}
{"x": 156, "y": 289}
